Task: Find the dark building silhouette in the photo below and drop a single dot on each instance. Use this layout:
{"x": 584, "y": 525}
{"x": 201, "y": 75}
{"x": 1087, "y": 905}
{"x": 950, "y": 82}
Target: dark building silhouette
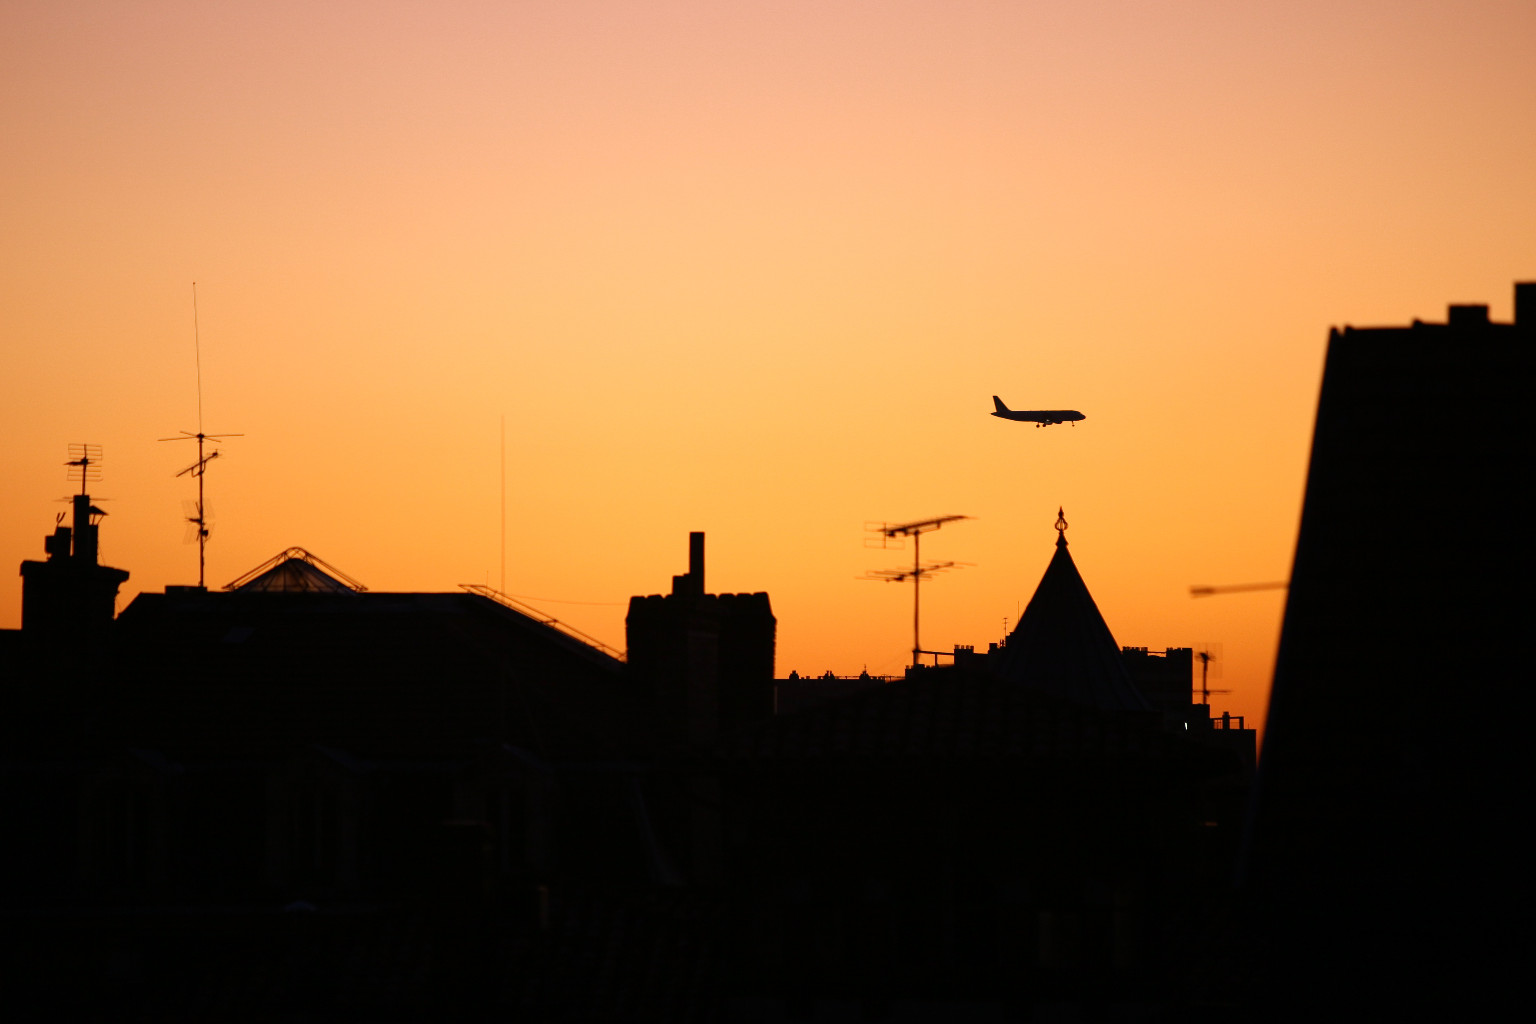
{"x": 1062, "y": 645}
{"x": 299, "y": 796}
{"x": 1385, "y": 868}
{"x": 299, "y": 799}
{"x": 1019, "y": 833}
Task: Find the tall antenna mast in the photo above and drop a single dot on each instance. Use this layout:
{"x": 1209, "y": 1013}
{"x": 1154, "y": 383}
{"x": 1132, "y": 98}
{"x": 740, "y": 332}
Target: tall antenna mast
{"x": 197, "y": 353}
{"x": 200, "y": 518}
{"x": 889, "y": 533}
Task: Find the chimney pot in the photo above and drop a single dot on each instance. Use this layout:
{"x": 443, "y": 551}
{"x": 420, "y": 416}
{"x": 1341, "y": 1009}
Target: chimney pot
{"x": 696, "y": 560}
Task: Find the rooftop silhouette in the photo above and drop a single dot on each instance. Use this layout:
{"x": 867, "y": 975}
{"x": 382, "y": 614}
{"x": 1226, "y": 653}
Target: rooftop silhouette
{"x": 1393, "y": 752}
{"x": 418, "y": 764}
{"x": 352, "y": 779}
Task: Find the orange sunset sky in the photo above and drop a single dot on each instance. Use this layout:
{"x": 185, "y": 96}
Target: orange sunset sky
{"x": 748, "y": 268}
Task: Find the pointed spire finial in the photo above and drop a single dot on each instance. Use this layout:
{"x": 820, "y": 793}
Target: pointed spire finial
{"x": 1061, "y": 527}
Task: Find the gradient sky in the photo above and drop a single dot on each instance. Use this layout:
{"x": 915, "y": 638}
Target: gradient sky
{"x": 748, "y": 268}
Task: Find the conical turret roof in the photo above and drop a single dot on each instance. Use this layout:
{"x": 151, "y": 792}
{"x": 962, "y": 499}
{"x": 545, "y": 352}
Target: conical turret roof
{"x": 1063, "y": 645}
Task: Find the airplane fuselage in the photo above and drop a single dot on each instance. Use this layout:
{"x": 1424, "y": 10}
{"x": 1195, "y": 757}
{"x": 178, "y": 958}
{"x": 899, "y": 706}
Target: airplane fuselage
{"x": 1039, "y": 417}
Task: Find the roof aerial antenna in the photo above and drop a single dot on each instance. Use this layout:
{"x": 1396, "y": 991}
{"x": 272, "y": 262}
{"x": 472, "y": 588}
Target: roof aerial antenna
{"x": 84, "y": 464}
{"x": 890, "y": 536}
{"x": 199, "y": 518}
{"x": 1207, "y": 654}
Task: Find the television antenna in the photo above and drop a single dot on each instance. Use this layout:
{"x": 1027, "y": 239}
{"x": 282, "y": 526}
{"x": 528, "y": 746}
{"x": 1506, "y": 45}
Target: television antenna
{"x": 1207, "y": 654}
{"x": 79, "y": 543}
{"x": 199, "y": 518}
{"x": 892, "y": 536}
{"x": 199, "y": 521}
{"x": 84, "y": 463}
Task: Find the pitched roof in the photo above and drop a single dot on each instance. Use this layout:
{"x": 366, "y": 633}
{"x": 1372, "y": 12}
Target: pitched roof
{"x": 376, "y": 674}
{"x": 1062, "y": 644}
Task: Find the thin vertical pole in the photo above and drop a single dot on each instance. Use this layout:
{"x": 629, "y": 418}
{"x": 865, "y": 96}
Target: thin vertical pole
{"x": 202, "y": 466}
{"x": 202, "y": 512}
{"x": 197, "y": 349}
{"x": 917, "y": 582}
{"x": 503, "y": 586}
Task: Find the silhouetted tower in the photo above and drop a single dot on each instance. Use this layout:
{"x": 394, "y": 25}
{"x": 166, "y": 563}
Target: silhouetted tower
{"x": 71, "y": 598}
{"x": 1063, "y": 646}
{"x": 704, "y": 660}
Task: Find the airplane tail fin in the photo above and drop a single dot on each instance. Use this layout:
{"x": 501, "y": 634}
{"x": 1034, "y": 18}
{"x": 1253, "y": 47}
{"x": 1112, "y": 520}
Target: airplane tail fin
{"x": 999, "y": 403}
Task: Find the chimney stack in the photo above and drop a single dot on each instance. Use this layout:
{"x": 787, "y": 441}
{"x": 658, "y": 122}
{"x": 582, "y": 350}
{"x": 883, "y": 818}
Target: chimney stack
{"x": 71, "y": 598}
{"x": 691, "y": 583}
{"x": 696, "y": 560}
{"x": 87, "y": 535}
{"x": 705, "y": 661}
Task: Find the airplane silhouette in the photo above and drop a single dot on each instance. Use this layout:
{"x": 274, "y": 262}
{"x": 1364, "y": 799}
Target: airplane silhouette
{"x": 1039, "y": 417}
